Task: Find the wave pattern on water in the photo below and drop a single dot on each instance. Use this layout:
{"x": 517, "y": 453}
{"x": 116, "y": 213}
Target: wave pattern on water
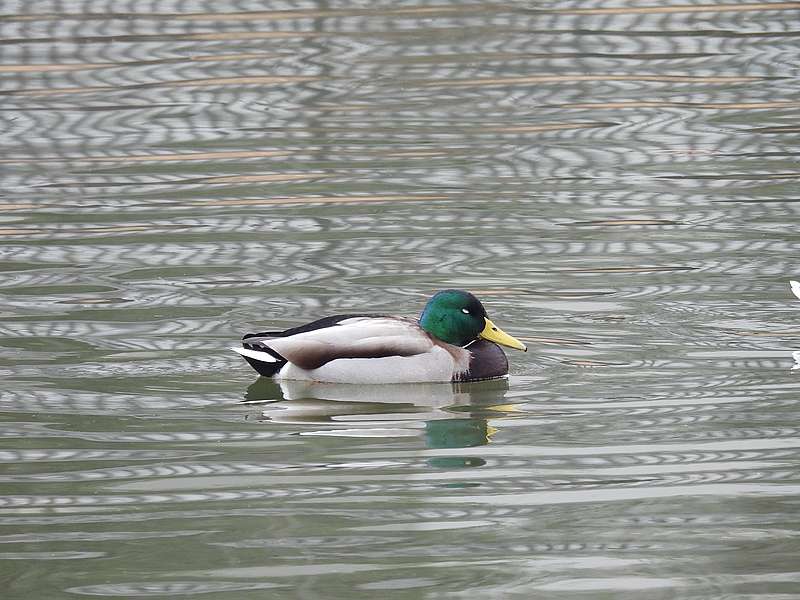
{"x": 616, "y": 180}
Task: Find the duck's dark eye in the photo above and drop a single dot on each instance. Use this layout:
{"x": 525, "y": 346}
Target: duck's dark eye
{"x": 465, "y": 311}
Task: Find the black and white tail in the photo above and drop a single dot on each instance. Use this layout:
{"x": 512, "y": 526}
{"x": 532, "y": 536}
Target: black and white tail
{"x": 263, "y": 359}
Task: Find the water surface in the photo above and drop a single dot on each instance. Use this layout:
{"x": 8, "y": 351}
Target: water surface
{"x": 616, "y": 180}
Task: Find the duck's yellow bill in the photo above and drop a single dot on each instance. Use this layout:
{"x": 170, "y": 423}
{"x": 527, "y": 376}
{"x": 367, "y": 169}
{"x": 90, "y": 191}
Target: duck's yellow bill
{"x": 494, "y": 334}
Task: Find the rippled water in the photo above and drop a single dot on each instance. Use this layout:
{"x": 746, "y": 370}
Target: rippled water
{"x": 616, "y": 180}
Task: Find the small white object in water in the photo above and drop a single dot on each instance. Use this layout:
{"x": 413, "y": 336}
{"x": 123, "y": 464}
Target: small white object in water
{"x": 796, "y": 357}
{"x": 795, "y": 288}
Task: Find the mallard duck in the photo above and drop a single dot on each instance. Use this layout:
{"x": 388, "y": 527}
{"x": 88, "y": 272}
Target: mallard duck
{"x": 453, "y": 340}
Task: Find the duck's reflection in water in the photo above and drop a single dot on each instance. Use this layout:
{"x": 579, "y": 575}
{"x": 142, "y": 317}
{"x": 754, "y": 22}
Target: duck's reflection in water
{"x": 443, "y": 415}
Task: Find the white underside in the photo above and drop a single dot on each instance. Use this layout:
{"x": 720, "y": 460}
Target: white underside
{"x": 436, "y": 365}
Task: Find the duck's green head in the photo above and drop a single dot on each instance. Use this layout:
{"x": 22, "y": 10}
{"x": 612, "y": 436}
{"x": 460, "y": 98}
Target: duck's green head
{"x": 458, "y": 318}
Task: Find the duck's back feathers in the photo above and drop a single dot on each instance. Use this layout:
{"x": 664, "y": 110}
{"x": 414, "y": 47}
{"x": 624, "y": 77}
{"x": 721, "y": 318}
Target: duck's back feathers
{"x": 268, "y": 362}
{"x": 355, "y": 348}
{"x": 312, "y": 326}
{"x": 355, "y": 337}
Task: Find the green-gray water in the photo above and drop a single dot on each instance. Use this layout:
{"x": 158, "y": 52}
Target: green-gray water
{"x": 616, "y": 180}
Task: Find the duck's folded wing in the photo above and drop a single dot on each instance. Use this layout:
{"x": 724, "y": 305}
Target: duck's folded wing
{"x": 357, "y": 337}
{"x": 312, "y": 326}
